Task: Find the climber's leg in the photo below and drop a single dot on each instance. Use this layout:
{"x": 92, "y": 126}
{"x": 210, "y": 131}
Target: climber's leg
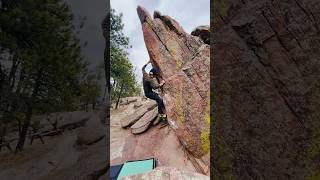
{"x": 159, "y": 101}
{"x": 162, "y": 117}
{"x": 160, "y": 104}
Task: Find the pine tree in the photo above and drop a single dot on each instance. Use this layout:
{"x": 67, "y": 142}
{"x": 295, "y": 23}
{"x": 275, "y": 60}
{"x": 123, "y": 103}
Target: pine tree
{"x": 122, "y": 72}
{"x": 45, "y": 63}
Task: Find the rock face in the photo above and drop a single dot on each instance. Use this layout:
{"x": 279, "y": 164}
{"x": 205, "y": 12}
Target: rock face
{"x": 183, "y": 61}
{"x": 265, "y": 75}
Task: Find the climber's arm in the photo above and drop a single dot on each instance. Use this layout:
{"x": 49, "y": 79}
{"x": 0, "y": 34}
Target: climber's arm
{"x": 144, "y": 69}
{"x": 154, "y": 84}
{"x": 162, "y": 82}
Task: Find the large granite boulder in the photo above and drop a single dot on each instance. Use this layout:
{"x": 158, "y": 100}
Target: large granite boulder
{"x": 137, "y": 114}
{"x": 266, "y": 84}
{"x": 91, "y": 133}
{"x": 144, "y": 122}
{"x": 69, "y": 120}
{"x": 183, "y": 61}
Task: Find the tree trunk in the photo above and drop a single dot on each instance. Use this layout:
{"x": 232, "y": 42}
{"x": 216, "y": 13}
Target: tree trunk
{"x": 105, "y": 28}
{"x": 28, "y": 114}
{"x": 104, "y": 93}
{"x": 119, "y": 96}
{"x": 24, "y": 130}
{"x": 10, "y": 81}
{"x": 3, "y": 132}
{"x": 12, "y": 75}
{"x": 2, "y": 78}
{"x": 19, "y": 126}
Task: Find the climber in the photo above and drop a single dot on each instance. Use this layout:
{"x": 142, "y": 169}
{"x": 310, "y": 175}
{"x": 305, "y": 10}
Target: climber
{"x": 150, "y": 82}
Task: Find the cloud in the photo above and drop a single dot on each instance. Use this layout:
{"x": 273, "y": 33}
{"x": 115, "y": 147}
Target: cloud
{"x": 189, "y": 14}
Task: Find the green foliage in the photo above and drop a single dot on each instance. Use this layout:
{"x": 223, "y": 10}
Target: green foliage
{"x": 41, "y": 65}
{"x": 40, "y": 34}
{"x": 90, "y": 89}
{"x": 122, "y": 72}
{"x": 117, "y": 37}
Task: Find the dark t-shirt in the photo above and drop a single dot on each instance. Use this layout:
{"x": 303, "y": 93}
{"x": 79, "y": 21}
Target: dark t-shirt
{"x": 149, "y": 84}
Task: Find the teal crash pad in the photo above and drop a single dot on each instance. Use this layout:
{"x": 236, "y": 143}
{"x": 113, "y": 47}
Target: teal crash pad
{"x": 136, "y": 167}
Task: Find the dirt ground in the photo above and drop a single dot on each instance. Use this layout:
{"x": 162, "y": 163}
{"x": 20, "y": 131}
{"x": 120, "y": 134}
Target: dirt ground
{"x": 39, "y": 159}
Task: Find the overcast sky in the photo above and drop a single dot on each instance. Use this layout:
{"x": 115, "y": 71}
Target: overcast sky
{"x": 189, "y": 14}
{"x": 93, "y": 12}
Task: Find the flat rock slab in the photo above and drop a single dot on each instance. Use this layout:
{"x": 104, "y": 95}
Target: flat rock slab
{"x": 144, "y": 122}
{"x": 136, "y": 115}
{"x": 164, "y": 173}
{"x": 137, "y": 104}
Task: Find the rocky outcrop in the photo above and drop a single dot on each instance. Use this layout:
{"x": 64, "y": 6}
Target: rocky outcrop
{"x": 183, "y": 61}
{"x": 137, "y": 114}
{"x": 265, "y": 75}
{"x": 203, "y": 32}
{"x": 144, "y": 122}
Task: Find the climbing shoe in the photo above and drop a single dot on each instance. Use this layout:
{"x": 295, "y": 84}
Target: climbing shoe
{"x": 163, "y": 123}
{"x": 163, "y": 116}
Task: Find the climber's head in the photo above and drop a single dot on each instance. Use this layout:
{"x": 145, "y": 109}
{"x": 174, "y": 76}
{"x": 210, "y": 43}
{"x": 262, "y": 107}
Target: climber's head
{"x": 153, "y": 72}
